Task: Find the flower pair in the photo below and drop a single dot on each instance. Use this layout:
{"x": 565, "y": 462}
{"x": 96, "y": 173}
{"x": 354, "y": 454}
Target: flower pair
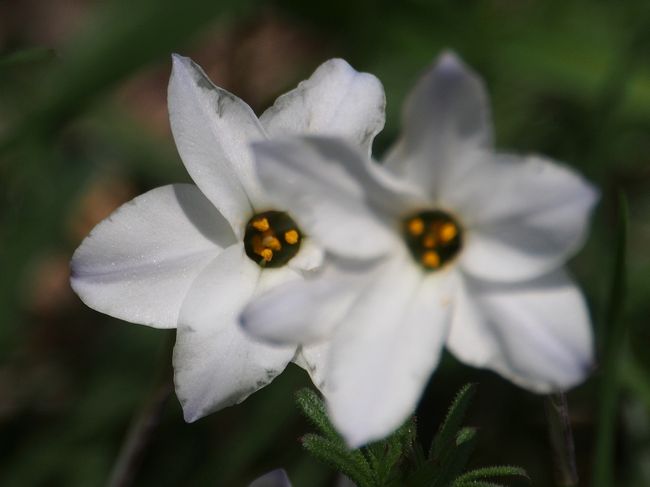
{"x": 357, "y": 271}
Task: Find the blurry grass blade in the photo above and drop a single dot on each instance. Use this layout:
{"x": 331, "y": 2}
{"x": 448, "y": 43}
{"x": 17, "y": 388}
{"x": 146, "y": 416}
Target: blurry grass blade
{"x": 351, "y": 463}
{"x": 614, "y": 345}
{"x": 124, "y": 37}
{"x": 636, "y": 379}
{"x": 313, "y": 407}
{"x": 26, "y": 56}
{"x": 449, "y": 428}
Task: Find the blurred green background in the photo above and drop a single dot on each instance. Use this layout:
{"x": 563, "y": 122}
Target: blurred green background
{"x": 84, "y": 128}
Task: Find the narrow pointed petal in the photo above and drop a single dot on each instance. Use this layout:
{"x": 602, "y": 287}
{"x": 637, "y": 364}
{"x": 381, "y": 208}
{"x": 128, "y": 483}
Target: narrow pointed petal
{"x": 526, "y": 217}
{"x": 215, "y": 363}
{"x": 212, "y": 129}
{"x": 138, "y": 264}
{"x": 335, "y": 193}
{"x": 446, "y": 112}
{"x": 335, "y": 100}
{"x": 385, "y": 351}
{"x": 536, "y": 334}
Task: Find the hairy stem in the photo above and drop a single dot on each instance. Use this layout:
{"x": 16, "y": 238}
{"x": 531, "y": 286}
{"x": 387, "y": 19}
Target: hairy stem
{"x": 144, "y": 424}
{"x": 561, "y": 437}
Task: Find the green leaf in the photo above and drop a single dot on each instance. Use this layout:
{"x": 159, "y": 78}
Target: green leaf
{"x": 384, "y": 456}
{"x": 85, "y": 71}
{"x": 351, "y": 463}
{"x": 453, "y": 460}
{"x": 477, "y": 483}
{"x": 485, "y": 473}
{"x": 313, "y": 407}
{"x": 453, "y": 421}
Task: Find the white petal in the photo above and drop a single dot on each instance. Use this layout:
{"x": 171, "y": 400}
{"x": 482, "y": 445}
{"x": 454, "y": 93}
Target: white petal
{"x": 277, "y": 277}
{"x": 337, "y": 195}
{"x": 212, "y": 129}
{"x": 385, "y": 351}
{"x": 537, "y": 334}
{"x": 276, "y": 478}
{"x": 138, "y": 264}
{"x": 335, "y": 100}
{"x": 309, "y": 258}
{"x": 301, "y": 312}
{"x": 446, "y": 112}
{"x": 309, "y": 358}
{"x": 526, "y": 217}
{"x": 215, "y": 363}
{"x": 313, "y": 358}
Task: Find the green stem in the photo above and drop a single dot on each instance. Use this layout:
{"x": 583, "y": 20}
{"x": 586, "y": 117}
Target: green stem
{"x": 561, "y": 437}
{"x": 603, "y": 474}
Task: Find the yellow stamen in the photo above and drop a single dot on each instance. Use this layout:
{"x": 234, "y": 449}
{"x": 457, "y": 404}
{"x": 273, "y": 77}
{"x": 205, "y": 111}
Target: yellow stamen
{"x": 448, "y": 231}
{"x": 416, "y": 226}
{"x": 431, "y": 259}
{"x": 267, "y": 255}
{"x": 261, "y": 224}
{"x": 256, "y": 242}
{"x": 429, "y": 241}
{"x": 291, "y": 237}
{"x": 271, "y": 243}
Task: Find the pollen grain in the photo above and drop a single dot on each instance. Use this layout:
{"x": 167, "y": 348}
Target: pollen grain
{"x": 448, "y": 232}
{"x": 265, "y": 237}
{"x": 261, "y": 224}
{"x": 416, "y": 226}
{"x": 431, "y": 259}
{"x": 434, "y": 238}
{"x": 271, "y": 242}
{"x": 291, "y": 237}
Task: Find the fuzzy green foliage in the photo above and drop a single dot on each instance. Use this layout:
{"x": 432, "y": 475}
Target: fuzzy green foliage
{"x": 399, "y": 460}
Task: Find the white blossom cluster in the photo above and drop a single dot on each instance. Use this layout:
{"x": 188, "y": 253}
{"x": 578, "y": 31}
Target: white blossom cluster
{"x": 295, "y": 245}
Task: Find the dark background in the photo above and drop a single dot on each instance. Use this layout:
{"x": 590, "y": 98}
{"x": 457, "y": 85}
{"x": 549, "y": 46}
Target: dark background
{"x": 84, "y": 128}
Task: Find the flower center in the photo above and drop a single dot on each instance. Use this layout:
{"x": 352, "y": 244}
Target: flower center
{"x": 272, "y": 238}
{"x": 433, "y": 237}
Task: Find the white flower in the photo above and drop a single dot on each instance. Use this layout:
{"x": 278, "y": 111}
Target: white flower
{"x": 193, "y": 256}
{"x": 447, "y": 242}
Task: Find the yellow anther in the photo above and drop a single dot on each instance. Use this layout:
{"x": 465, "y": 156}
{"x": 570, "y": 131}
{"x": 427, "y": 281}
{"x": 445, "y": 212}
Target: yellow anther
{"x": 291, "y": 237}
{"x": 429, "y": 241}
{"x": 271, "y": 243}
{"x": 448, "y": 231}
{"x": 416, "y": 226}
{"x": 261, "y": 224}
{"x": 256, "y": 243}
{"x": 431, "y": 259}
{"x": 269, "y": 237}
{"x": 267, "y": 255}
